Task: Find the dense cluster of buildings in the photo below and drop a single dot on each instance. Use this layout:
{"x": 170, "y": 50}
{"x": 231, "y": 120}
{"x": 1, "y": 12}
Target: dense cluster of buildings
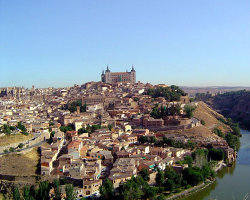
{"x": 121, "y": 110}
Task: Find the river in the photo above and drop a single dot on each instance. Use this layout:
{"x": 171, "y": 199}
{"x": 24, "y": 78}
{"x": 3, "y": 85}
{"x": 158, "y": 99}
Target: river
{"x": 231, "y": 182}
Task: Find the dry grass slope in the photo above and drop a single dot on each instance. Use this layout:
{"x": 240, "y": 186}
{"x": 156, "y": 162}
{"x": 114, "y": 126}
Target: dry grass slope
{"x": 9, "y": 139}
{"x": 204, "y": 112}
{"x": 20, "y": 164}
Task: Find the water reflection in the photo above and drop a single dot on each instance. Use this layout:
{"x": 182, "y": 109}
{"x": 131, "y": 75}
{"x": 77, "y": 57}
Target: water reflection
{"x": 226, "y": 170}
{"x": 231, "y": 182}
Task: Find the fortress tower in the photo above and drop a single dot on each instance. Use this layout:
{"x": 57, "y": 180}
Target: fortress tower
{"x": 118, "y": 77}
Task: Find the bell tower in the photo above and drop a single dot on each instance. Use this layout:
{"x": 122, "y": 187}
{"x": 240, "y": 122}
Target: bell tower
{"x": 133, "y": 75}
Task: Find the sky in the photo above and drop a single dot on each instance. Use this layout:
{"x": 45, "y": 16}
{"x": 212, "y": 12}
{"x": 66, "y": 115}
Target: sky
{"x": 182, "y": 42}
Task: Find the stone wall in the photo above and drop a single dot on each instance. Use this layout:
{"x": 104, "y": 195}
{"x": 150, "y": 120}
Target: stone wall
{"x": 26, "y": 143}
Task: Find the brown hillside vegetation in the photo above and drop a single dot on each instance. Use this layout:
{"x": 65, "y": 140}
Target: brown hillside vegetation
{"x": 210, "y": 116}
{"x": 204, "y": 112}
{"x": 20, "y": 164}
{"x": 10, "y": 139}
{"x": 201, "y": 131}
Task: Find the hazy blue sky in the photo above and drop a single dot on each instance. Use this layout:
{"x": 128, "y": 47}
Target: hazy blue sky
{"x": 183, "y": 42}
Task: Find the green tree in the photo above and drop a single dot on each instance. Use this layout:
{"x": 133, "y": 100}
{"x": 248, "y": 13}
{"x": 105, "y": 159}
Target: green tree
{"x": 43, "y": 190}
{"x": 236, "y": 129}
{"x": 21, "y": 127}
{"x": 171, "y": 174}
{"x": 26, "y": 193}
{"x": 191, "y": 145}
{"x": 110, "y": 126}
{"x": 95, "y": 127}
{"x": 16, "y": 193}
{"x": 107, "y": 190}
{"x": 81, "y": 131}
{"x": 200, "y": 157}
{"x": 207, "y": 171}
{"x": 11, "y": 149}
{"x": 155, "y": 113}
{"x": 66, "y": 128}
{"x": 12, "y": 128}
{"x": 170, "y": 185}
{"x": 83, "y": 108}
{"x": 132, "y": 189}
{"x": 6, "y": 129}
{"x": 193, "y": 175}
{"x": 33, "y": 192}
{"x": 150, "y": 192}
{"x": 152, "y": 139}
{"x": 20, "y": 145}
{"x": 56, "y": 186}
{"x": 70, "y": 195}
{"x": 218, "y": 132}
{"x": 144, "y": 173}
{"x": 172, "y": 93}
{"x": 187, "y": 160}
{"x": 72, "y": 107}
{"x": 175, "y": 109}
{"x": 160, "y": 197}
{"x": 143, "y": 139}
{"x": 203, "y": 122}
{"x": 159, "y": 179}
{"x": 189, "y": 111}
{"x": 233, "y": 141}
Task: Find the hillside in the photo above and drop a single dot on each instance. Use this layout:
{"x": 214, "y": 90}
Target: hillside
{"x": 235, "y": 105}
{"x": 211, "y": 90}
{"x": 210, "y": 116}
{"x": 20, "y": 164}
{"x": 10, "y": 139}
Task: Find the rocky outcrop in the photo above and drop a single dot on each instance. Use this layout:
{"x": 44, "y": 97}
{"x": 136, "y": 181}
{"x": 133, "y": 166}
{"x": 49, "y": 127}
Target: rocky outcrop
{"x": 235, "y": 105}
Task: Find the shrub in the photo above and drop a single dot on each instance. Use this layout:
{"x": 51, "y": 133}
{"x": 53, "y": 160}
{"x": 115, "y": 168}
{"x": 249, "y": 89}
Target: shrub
{"x": 20, "y": 145}
{"x": 12, "y": 149}
{"x": 203, "y": 122}
{"x": 189, "y": 110}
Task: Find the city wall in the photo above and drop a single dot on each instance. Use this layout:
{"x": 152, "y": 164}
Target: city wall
{"x": 27, "y": 143}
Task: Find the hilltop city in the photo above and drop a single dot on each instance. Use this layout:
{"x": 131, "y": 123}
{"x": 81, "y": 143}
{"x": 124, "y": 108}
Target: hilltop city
{"x": 109, "y": 133}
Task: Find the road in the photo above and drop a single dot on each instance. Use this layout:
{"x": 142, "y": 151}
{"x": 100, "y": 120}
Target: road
{"x": 34, "y": 145}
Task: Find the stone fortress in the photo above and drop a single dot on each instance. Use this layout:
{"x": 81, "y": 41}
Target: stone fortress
{"x": 118, "y": 77}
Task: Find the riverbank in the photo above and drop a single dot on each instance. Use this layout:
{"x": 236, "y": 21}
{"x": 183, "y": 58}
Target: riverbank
{"x": 231, "y": 182}
{"x": 198, "y": 187}
{"x": 192, "y": 190}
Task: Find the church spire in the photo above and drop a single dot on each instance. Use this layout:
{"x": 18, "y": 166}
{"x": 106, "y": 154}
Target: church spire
{"x": 132, "y": 70}
{"x": 107, "y": 69}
